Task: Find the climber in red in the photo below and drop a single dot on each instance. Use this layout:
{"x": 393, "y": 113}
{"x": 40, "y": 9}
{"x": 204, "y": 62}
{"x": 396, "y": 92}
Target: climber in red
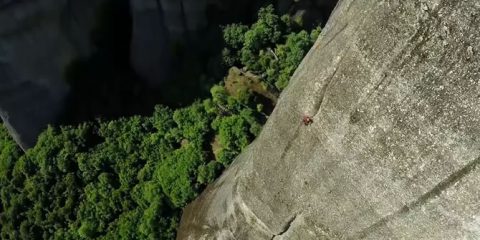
{"x": 307, "y": 120}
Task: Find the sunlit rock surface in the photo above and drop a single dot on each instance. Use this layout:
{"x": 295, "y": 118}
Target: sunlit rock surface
{"x": 393, "y": 151}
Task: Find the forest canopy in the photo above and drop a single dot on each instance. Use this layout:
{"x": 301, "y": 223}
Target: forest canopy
{"x": 130, "y": 178}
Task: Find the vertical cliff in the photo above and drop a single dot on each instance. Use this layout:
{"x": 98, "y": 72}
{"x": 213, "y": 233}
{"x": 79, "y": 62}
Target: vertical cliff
{"x": 37, "y": 40}
{"x": 157, "y": 26}
{"x": 393, "y": 150}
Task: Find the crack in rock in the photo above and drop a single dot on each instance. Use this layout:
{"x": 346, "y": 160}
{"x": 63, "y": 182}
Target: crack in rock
{"x": 286, "y": 227}
{"x": 423, "y": 199}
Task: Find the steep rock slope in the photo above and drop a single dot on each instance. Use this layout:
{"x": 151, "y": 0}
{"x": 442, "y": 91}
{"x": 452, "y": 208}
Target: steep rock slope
{"x": 392, "y": 153}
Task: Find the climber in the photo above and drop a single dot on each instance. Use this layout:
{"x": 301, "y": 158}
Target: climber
{"x": 307, "y": 120}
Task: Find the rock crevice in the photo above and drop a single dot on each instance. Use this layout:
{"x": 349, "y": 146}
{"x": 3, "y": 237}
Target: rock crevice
{"x": 285, "y": 228}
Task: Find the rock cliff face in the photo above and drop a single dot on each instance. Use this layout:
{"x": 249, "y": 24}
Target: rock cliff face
{"x": 37, "y": 39}
{"x": 156, "y": 24}
{"x": 394, "y": 147}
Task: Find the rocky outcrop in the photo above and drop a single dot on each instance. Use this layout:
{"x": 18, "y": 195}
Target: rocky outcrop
{"x": 37, "y": 39}
{"x": 394, "y": 147}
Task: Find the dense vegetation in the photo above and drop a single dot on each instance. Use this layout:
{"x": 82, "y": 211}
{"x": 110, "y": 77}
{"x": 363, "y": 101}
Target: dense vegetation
{"x": 129, "y": 178}
{"x": 272, "y": 47}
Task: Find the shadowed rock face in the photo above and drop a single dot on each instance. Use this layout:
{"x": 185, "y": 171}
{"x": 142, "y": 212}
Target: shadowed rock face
{"x": 157, "y": 25}
{"x": 37, "y": 39}
{"x": 392, "y": 153}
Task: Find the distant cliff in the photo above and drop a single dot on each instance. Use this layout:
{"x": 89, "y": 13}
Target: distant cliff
{"x": 39, "y": 38}
{"x": 157, "y": 25}
{"x": 393, "y": 150}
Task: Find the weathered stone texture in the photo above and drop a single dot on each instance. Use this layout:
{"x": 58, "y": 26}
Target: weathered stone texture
{"x": 394, "y": 91}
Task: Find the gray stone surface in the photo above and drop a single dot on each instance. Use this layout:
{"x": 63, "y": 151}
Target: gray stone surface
{"x": 393, "y": 152}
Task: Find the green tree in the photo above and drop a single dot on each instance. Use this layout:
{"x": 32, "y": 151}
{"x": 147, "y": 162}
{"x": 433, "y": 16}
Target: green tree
{"x": 273, "y": 47}
{"x": 9, "y": 154}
